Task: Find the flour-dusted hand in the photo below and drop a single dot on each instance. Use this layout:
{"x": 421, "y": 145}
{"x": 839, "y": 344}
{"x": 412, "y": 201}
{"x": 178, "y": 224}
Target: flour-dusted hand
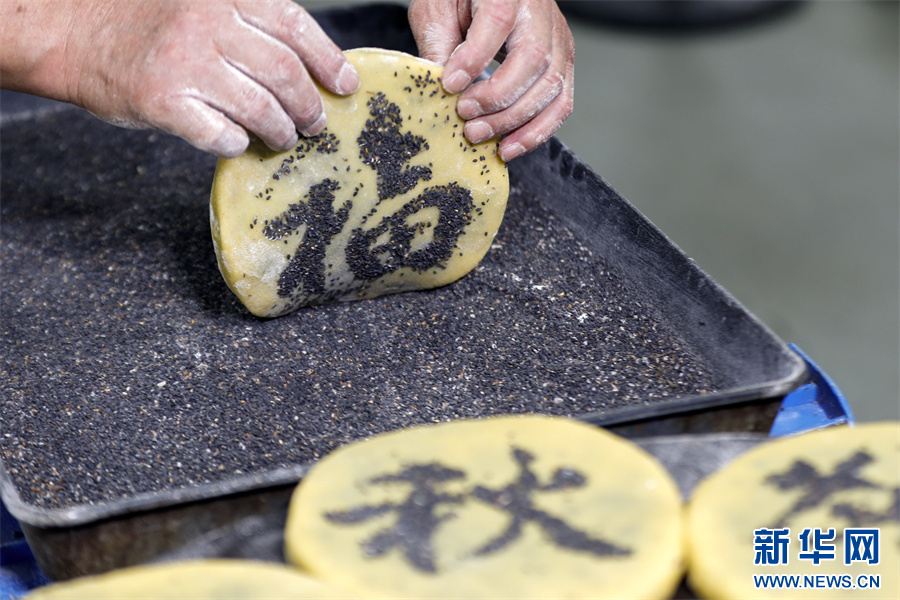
{"x": 530, "y": 95}
{"x": 209, "y": 72}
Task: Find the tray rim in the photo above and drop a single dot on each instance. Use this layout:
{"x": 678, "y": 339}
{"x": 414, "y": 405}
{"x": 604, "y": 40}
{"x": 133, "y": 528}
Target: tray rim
{"x": 146, "y": 502}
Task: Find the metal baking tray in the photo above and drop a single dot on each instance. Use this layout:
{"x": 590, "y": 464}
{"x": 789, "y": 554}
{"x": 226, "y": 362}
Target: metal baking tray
{"x": 752, "y": 367}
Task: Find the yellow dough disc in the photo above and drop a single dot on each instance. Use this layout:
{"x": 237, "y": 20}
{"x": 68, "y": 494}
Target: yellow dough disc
{"x": 506, "y": 507}
{"x": 829, "y": 491}
{"x": 389, "y": 198}
{"x": 194, "y": 580}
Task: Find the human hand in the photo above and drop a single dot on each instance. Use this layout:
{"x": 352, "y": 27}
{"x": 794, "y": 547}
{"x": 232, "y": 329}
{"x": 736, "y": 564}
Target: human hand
{"x": 530, "y": 95}
{"x": 209, "y": 72}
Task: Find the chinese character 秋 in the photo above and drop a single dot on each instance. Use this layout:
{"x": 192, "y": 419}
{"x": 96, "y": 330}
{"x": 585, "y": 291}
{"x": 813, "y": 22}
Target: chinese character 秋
{"x": 417, "y": 519}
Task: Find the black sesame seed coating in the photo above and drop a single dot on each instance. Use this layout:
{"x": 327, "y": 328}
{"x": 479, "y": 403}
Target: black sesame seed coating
{"x": 127, "y": 365}
{"x": 306, "y": 270}
{"x": 323, "y": 143}
{"x": 384, "y": 148}
{"x": 454, "y": 203}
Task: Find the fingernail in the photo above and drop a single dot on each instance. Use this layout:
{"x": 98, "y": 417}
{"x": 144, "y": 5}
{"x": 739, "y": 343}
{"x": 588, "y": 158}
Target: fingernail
{"x": 511, "y": 151}
{"x": 456, "y": 82}
{"x": 478, "y": 131}
{"x": 469, "y": 109}
{"x": 348, "y": 80}
{"x": 316, "y": 128}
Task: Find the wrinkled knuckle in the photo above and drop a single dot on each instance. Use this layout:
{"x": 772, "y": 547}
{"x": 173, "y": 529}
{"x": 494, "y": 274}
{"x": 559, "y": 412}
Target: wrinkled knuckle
{"x": 259, "y": 111}
{"x": 493, "y": 97}
{"x": 214, "y": 136}
{"x": 274, "y": 127}
{"x": 283, "y": 71}
{"x": 156, "y": 99}
{"x": 540, "y": 136}
{"x": 536, "y": 55}
{"x": 252, "y": 97}
{"x": 210, "y": 137}
{"x": 229, "y": 144}
{"x": 294, "y": 19}
{"x": 309, "y": 110}
{"x": 500, "y": 14}
{"x": 508, "y": 125}
{"x": 556, "y": 82}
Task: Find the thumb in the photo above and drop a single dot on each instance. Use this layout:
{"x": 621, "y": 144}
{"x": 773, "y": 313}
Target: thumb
{"x": 436, "y": 28}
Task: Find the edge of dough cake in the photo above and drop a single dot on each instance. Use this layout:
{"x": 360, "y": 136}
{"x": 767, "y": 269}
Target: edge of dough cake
{"x": 836, "y": 479}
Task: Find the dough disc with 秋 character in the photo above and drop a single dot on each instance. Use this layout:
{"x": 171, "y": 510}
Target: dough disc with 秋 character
{"x": 390, "y": 197}
{"x": 805, "y": 508}
{"x": 504, "y": 507}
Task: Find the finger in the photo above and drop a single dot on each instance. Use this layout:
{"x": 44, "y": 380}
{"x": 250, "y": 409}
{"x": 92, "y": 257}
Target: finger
{"x": 230, "y": 91}
{"x": 492, "y": 22}
{"x": 537, "y": 131}
{"x": 278, "y": 69}
{"x": 555, "y": 81}
{"x": 548, "y": 121}
{"x": 535, "y": 100}
{"x": 530, "y": 54}
{"x": 435, "y": 28}
{"x": 204, "y": 127}
{"x": 294, "y": 26}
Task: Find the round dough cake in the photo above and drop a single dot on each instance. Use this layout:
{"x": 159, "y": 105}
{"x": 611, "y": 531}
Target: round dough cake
{"x": 390, "y": 197}
{"x": 194, "y": 580}
{"x": 829, "y": 490}
{"x": 505, "y": 507}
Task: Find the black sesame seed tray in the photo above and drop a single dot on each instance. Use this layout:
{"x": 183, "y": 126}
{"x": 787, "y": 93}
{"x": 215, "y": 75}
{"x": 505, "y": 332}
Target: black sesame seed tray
{"x": 142, "y": 406}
